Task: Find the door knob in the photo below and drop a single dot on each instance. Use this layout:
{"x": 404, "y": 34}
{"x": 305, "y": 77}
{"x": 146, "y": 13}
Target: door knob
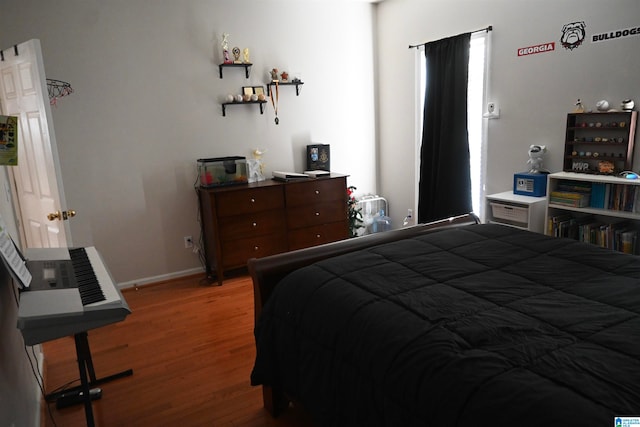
{"x": 61, "y": 216}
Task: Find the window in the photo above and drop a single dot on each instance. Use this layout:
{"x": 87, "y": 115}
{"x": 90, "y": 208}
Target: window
{"x": 476, "y": 126}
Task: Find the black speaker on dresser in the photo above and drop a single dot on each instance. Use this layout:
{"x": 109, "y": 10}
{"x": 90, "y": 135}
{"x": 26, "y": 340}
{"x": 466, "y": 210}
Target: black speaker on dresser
{"x": 318, "y": 157}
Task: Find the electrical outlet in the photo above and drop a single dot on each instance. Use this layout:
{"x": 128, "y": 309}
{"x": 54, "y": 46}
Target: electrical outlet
{"x": 188, "y": 242}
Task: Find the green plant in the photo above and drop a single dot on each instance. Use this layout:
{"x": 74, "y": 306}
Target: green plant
{"x": 354, "y": 214}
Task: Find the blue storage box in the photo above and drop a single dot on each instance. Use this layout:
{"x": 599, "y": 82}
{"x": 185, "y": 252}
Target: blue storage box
{"x": 530, "y": 184}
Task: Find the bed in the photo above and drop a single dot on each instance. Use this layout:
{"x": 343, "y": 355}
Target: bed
{"x": 450, "y": 324}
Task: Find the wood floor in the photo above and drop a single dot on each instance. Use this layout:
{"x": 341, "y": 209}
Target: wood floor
{"x": 191, "y": 348}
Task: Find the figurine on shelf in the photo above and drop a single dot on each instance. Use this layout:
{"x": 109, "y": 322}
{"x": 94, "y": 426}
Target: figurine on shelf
{"x": 256, "y": 165}
{"x": 536, "y": 156}
{"x": 236, "y": 55}
{"x": 627, "y": 105}
{"x": 245, "y": 55}
{"x": 285, "y": 76}
{"x": 579, "y": 107}
{"x": 274, "y": 75}
{"x": 225, "y": 48}
{"x": 606, "y": 167}
{"x": 602, "y": 106}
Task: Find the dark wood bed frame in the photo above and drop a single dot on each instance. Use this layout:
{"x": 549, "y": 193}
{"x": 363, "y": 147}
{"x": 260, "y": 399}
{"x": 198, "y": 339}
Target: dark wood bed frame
{"x": 268, "y": 271}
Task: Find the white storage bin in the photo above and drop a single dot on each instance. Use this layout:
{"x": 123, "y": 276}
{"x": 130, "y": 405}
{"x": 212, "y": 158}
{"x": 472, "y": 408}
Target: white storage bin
{"x": 510, "y": 212}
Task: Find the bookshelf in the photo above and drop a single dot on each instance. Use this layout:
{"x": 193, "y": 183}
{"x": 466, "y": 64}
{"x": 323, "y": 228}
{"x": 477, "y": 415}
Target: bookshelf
{"x": 599, "y": 209}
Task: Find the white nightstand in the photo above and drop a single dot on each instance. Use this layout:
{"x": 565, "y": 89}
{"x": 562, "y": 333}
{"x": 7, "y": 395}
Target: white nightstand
{"x": 519, "y": 211}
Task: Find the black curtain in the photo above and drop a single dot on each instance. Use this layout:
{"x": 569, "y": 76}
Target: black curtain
{"x": 445, "y": 183}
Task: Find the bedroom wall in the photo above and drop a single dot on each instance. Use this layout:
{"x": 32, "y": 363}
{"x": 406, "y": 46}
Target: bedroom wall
{"x": 146, "y": 105}
{"x": 146, "y": 101}
{"x": 534, "y": 92}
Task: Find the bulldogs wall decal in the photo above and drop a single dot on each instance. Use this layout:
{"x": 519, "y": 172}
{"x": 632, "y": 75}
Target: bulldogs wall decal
{"x": 573, "y": 35}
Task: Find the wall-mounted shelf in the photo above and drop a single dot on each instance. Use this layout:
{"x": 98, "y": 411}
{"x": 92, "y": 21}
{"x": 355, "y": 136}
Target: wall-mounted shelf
{"x": 594, "y": 138}
{"x": 296, "y": 84}
{"x": 224, "y": 105}
{"x": 246, "y": 66}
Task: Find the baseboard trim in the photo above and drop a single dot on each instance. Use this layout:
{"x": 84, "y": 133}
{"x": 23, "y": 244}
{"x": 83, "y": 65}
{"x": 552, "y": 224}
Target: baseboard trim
{"x": 159, "y": 278}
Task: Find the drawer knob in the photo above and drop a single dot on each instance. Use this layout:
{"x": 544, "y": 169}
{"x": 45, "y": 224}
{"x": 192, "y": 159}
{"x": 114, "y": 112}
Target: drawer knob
{"x": 255, "y": 248}
{"x": 317, "y": 213}
{"x": 317, "y": 191}
{"x": 317, "y": 236}
{"x": 255, "y": 224}
{"x": 253, "y": 200}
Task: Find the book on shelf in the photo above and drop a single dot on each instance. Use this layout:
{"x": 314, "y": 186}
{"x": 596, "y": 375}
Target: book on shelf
{"x": 628, "y": 241}
{"x": 621, "y": 197}
{"x": 317, "y": 173}
{"x": 293, "y": 176}
{"x": 569, "y": 198}
{"x": 597, "y": 195}
{"x": 620, "y": 236}
{"x": 288, "y": 176}
{"x": 558, "y": 223}
{"x": 574, "y": 186}
{"x": 589, "y": 230}
{"x": 569, "y": 195}
{"x": 598, "y": 190}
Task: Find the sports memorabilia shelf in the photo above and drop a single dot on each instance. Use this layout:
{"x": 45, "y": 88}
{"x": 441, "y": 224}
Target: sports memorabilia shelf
{"x": 600, "y": 143}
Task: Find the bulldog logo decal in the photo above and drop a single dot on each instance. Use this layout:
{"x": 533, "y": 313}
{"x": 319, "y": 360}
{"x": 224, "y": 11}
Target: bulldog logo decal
{"x": 573, "y": 35}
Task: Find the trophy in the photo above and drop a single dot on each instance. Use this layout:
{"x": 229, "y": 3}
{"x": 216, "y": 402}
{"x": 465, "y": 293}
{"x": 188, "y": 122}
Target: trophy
{"x": 236, "y": 55}
{"x": 225, "y": 48}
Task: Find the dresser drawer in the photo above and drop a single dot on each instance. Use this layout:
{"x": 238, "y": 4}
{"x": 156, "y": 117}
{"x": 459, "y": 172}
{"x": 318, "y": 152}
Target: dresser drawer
{"x": 269, "y": 217}
{"x": 317, "y": 235}
{"x": 235, "y": 253}
{"x": 305, "y": 216}
{"x": 249, "y": 200}
{"x": 255, "y": 224}
{"x": 316, "y": 191}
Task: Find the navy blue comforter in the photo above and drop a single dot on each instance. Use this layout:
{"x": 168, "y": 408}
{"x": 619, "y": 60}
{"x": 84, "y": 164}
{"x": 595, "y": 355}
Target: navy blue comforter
{"x": 482, "y": 325}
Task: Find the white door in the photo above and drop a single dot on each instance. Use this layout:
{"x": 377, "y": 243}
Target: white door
{"x": 38, "y": 185}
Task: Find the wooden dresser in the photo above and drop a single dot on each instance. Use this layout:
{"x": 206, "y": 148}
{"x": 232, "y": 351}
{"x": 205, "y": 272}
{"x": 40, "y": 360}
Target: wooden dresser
{"x": 268, "y": 217}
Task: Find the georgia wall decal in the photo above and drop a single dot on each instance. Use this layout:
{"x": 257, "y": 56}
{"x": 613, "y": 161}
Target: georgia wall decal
{"x": 616, "y": 34}
{"x": 573, "y": 35}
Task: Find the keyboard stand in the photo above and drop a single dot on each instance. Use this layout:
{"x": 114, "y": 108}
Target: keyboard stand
{"x": 85, "y": 366}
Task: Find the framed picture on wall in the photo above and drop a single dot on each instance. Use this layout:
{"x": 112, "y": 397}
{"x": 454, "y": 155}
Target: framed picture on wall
{"x": 252, "y": 90}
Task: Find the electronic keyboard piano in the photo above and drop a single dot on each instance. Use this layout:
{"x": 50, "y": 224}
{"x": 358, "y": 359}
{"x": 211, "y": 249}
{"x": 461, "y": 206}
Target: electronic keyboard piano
{"x": 93, "y": 301}
{"x": 69, "y": 295}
